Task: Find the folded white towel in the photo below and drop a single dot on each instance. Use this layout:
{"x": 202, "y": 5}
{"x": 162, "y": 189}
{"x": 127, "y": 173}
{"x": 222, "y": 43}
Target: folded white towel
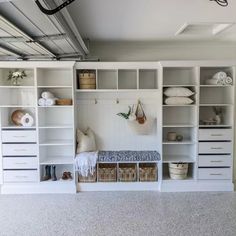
{"x": 220, "y": 75}
{"x": 212, "y": 82}
{"x": 228, "y": 80}
{"x": 47, "y": 95}
{"x": 85, "y": 163}
{"x": 42, "y": 102}
{"x": 50, "y": 101}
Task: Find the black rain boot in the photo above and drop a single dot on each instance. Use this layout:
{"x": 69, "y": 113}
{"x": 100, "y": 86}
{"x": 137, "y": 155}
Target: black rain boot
{"x": 47, "y": 175}
{"x": 54, "y": 177}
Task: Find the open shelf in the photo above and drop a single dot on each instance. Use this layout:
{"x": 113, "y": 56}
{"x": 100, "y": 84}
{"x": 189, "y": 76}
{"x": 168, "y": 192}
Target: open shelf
{"x": 107, "y": 79}
{"x": 178, "y": 158}
{"x": 127, "y": 79}
{"x": 183, "y": 142}
{"x": 148, "y": 79}
{"x": 54, "y": 77}
{"x": 26, "y": 81}
{"x": 56, "y": 142}
{"x": 179, "y": 76}
{"x": 57, "y": 160}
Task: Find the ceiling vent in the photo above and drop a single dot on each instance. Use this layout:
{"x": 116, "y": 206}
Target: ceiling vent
{"x": 204, "y": 29}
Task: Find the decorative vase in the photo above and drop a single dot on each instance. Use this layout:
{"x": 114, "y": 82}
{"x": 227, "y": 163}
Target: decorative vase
{"x": 218, "y": 119}
{"x": 15, "y": 82}
{"x": 171, "y": 136}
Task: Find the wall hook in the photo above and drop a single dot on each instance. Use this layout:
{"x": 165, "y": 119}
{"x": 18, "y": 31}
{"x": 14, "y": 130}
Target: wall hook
{"x": 117, "y": 101}
{"x": 95, "y": 101}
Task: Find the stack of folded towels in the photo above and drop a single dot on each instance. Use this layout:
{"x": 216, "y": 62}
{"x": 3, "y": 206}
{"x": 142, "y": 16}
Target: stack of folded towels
{"x": 47, "y": 99}
{"x": 178, "y": 96}
{"x": 220, "y": 78}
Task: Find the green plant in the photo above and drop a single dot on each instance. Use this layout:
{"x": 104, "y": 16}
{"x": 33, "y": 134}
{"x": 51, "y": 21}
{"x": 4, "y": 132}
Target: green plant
{"x": 17, "y": 74}
{"x": 125, "y": 115}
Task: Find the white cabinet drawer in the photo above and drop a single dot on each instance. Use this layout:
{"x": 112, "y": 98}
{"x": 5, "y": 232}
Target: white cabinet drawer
{"x": 13, "y": 176}
{"x": 215, "y": 134}
{"x": 214, "y": 160}
{"x": 19, "y": 149}
{"x": 19, "y": 136}
{"x": 214, "y": 173}
{"x": 215, "y": 147}
{"x": 20, "y": 163}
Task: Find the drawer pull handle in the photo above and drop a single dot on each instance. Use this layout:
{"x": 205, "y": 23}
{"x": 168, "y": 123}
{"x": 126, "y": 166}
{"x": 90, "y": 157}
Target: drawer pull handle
{"x": 21, "y": 177}
{"x": 21, "y": 163}
{"x": 18, "y": 136}
{"x": 216, "y": 161}
{"x": 216, "y": 148}
{"x": 216, "y": 174}
{"x": 216, "y": 135}
{"x": 20, "y": 150}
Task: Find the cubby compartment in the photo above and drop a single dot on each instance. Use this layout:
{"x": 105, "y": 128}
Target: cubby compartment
{"x": 53, "y": 77}
{"x": 107, "y": 79}
{"x": 55, "y": 116}
{"x": 189, "y": 134}
{"x": 179, "y": 153}
{"x": 53, "y": 155}
{"x": 26, "y": 81}
{"x": 148, "y": 172}
{"x": 179, "y": 76}
{"x": 56, "y": 137}
{"x": 208, "y": 72}
{"x": 127, "y": 172}
{"x": 60, "y": 169}
{"x": 207, "y": 116}
{"x": 17, "y": 97}
{"x": 127, "y": 79}
{"x": 190, "y": 174}
{"x": 6, "y": 113}
{"x": 216, "y": 95}
{"x": 179, "y": 116}
{"x": 148, "y": 79}
{"x": 107, "y": 172}
{"x": 60, "y": 93}
{"x": 86, "y": 79}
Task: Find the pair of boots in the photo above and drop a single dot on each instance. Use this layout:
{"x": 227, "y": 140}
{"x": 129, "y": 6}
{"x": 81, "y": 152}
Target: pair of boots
{"x": 48, "y": 174}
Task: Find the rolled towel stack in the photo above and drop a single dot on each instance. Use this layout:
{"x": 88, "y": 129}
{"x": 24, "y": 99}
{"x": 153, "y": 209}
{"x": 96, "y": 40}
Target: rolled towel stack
{"x": 47, "y": 99}
{"x": 219, "y": 78}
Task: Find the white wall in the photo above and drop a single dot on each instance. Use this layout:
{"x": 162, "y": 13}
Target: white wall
{"x": 154, "y": 51}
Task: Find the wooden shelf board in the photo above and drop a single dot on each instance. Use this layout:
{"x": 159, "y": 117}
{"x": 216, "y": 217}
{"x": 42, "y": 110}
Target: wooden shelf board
{"x": 178, "y": 158}
{"x": 179, "y": 105}
{"x": 17, "y": 87}
{"x": 55, "y": 106}
{"x": 166, "y": 142}
{"x": 57, "y": 160}
{"x": 214, "y": 105}
{"x": 216, "y": 86}
{"x": 180, "y": 85}
{"x": 17, "y": 127}
{"x": 54, "y": 86}
{"x": 214, "y": 126}
{"x": 56, "y": 142}
{"x": 56, "y": 126}
{"x": 17, "y": 106}
{"x": 59, "y": 181}
{"x": 168, "y": 179}
{"x": 178, "y": 125}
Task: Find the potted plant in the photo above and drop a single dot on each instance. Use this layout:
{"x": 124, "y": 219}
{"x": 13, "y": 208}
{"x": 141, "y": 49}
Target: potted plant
{"x": 218, "y": 114}
{"x": 15, "y": 76}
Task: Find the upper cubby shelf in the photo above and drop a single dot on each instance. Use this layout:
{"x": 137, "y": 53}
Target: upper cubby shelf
{"x": 179, "y": 76}
{"x": 27, "y": 81}
{"x": 127, "y": 79}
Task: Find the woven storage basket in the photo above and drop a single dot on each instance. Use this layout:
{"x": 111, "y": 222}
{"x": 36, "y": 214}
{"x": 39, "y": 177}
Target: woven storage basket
{"x": 147, "y": 172}
{"x": 107, "y": 173}
{"x": 178, "y": 170}
{"x": 90, "y": 178}
{"x": 64, "y": 102}
{"x": 87, "y": 80}
{"x": 127, "y": 172}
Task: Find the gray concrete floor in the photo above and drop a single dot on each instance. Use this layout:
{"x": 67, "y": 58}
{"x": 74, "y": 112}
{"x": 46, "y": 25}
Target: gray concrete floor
{"x": 119, "y": 213}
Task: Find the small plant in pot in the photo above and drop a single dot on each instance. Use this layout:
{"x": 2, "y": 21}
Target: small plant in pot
{"x": 15, "y": 76}
{"x": 218, "y": 115}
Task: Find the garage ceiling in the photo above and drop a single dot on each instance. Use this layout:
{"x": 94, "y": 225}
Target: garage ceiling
{"x": 62, "y": 36}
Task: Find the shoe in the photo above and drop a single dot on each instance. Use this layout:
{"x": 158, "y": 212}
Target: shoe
{"x": 54, "y": 177}
{"x": 47, "y": 174}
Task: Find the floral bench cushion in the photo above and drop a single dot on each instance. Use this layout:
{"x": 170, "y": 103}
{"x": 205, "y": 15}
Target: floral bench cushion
{"x": 128, "y": 156}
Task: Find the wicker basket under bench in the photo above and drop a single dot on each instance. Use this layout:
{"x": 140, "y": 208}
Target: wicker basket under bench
{"x": 125, "y": 166}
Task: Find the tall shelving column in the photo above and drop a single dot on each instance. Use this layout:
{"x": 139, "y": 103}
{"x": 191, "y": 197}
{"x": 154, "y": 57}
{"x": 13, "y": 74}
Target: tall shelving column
{"x": 56, "y": 125}
{"x": 181, "y": 119}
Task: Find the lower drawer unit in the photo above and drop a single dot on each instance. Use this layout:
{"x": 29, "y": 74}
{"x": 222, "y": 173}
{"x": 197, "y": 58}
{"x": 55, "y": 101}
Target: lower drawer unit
{"x": 215, "y": 134}
{"x": 215, "y": 147}
{"x": 19, "y": 149}
{"x": 214, "y": 173}
{"x": 19, "y": 136}
{"x": 214, "y": 161}
{"x": 20, "y": 163}
{"x": 17, "y": 176}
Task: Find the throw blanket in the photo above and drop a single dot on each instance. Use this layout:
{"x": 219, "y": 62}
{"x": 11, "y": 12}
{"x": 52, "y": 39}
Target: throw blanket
{"x": 85, "y": 163}
{"x": 220, "y": 78}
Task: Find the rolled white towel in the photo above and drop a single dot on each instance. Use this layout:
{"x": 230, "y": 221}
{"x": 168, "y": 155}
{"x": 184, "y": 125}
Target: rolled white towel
{"x": 212, "y": 82}
{"x": 42, "y": 102}
{"x": 220, "y": 75}
{"x": 228, "y": 80}
{"x": 47, "y": 95}
{"x": 50, "y": 102}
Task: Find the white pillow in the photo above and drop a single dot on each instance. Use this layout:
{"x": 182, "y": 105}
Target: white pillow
{"x": 178, "y": 101}
{"x": 178, "y": 92}
{"x": 86, "y": 141}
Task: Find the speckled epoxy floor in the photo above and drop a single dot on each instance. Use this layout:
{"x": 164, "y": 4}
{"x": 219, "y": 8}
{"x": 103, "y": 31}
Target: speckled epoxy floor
{"x": 119, "y": 213}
